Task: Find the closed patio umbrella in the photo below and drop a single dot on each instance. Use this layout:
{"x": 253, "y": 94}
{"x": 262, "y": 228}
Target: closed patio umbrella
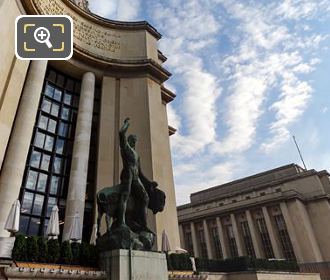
{"x": 165, "y": 242}
{"x": 94, "y": 235}
{"x": 12, "y": 223}
{"x": 75, "y": 229}
{"x": 53, "y": 227}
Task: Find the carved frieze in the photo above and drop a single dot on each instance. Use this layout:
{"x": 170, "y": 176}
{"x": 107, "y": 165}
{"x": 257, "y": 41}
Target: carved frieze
{"x": 87, "y": 35}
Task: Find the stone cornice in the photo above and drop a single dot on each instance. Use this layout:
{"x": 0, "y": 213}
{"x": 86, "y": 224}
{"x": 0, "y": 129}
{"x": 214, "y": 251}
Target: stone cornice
{"x": 249, "y": 178}
{"x": 257, "y": 187}
{"x": 161, "y": 56}
{"x": 167, "y": 95}
{"x": 171, "y": 130}
{"x": 272, "y": 199}
{"x": 145, "y": 65}
{"x": 268, "y": 200}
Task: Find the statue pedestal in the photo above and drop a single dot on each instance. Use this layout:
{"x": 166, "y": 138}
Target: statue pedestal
{"x": 121, "y": 265}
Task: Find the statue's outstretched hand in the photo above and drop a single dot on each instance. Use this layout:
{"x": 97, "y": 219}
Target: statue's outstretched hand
{"x": 125, "y": 125}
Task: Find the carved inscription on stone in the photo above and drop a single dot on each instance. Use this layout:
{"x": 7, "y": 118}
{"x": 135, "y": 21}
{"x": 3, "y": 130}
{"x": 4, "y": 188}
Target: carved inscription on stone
{"x": 86, "y": 35}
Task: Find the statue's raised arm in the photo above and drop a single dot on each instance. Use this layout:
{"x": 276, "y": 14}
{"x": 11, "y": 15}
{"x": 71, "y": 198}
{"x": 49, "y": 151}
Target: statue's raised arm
{"x": 122, "y": 133}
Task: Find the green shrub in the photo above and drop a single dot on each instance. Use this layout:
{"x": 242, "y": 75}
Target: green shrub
{"x": 19, "y": 251}
{"x": 35, "y": 249}
{"x": 88, "y": 254}
{"x": 179, "y": 262}
{"x": 245, "y": 264}
{"x": 75, "y": 248}
{"x": 85, "y": 254}
{"x": 169, "y": 263}
{"x": 66, "y": 253}
{"x": 43, "y": 249}
{"x": 32, "y": 249}
{"x": 94, "y": 255}
{"x": 53, "y": 250}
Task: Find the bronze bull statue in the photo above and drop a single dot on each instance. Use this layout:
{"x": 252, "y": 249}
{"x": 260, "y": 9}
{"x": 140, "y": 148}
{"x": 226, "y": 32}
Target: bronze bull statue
{"x": 109, "y": 199}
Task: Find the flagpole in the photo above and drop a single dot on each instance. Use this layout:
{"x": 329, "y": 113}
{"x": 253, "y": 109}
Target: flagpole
{"x": 301, "y": 157}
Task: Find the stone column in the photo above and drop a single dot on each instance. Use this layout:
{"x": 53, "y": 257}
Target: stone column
{"x": 9, "y": 102}
{"x": 238, "y": 239}
{"x": 14, "y": 164}
{"x": 182, "y": 240}
{"x": 79, "y": 166}
{"x": 108, "y": 141}
{"x": 292, "y": 232}
{"x": 207, "y": 240}
{"x": 222, "y": 239}
{"x": 309, "y": 246}
{"x": 194, "y": 240}
{"x": 272, "y": 235}
{"x": 254, "y": 235}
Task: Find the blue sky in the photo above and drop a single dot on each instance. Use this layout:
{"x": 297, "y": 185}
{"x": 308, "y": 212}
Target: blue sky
{"x": 248, "y": 74}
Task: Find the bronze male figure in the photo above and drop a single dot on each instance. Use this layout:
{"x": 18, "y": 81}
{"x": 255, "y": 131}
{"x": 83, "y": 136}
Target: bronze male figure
{"x": 132, "y": 178}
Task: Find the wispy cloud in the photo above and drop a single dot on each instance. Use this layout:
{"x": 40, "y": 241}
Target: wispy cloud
{"x": 324, "y": 110}
{"x": 200, "y": 87}
{"x": 193, "y": 177}
{"x": 116, "y": 9}
{"x": 268, "y": 60}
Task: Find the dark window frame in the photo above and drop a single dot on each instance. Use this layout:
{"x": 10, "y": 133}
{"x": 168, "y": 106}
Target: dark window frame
{"x": 247, "y": 239}
{"x": 48, "y": 194}
{"x": 265, "y": 239}
{"x": 284, "y": 237}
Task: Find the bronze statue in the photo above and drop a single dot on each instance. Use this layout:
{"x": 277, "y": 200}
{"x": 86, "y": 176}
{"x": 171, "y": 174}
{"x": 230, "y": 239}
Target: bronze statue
{"x": 126, "y": 204}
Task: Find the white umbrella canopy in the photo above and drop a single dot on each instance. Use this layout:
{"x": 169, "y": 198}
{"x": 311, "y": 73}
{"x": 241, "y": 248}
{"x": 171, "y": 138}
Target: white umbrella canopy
{"x": 94, "y": 235}
{"x": 165, "y": 242}
{"x": 179, "y": 250}
{"x": 53, "y": 227}
{"x": 12, "y": 223}
{"x": 75, "y": 229}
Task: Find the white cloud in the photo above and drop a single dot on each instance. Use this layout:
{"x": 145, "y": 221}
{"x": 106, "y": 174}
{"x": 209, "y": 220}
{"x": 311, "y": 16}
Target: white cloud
{"x": 104, "y": 8}
{"x": 296, "y": 9}
{"x": 269, "y": 59}
{"x": 290, "y": 106}
{"x": 301, "y": 9}
{"x": 128, "y": 10}
{"x": 191, "y": 20}
{"x": 116, "y": 9}
{"x": 244, "y": 109}
{"x": 197, "y": 45}
{"x": 184, "y": 168}
{"x": 174, "y": 119}
{"x": 200, "y": 87}
{"x": 196, "y": 178}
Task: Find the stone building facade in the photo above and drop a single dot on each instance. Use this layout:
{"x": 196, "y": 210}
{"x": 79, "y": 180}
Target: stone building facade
{"x": 278, "y": 214}
{"x": 59, "y": 120}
